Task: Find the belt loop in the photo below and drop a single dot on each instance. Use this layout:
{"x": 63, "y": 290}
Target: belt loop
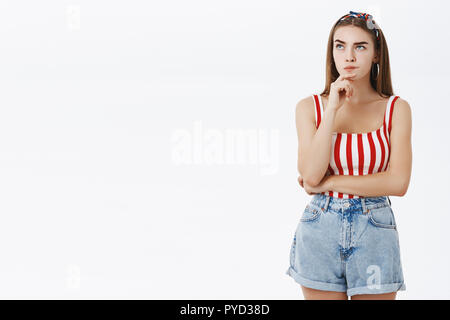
{"x": 388, "y": 200}
{"x": 327, "y": 201}
{"x": 363, "y": 204}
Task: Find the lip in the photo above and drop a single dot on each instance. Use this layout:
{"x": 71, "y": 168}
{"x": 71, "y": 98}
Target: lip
{"x": 350, "y": 68}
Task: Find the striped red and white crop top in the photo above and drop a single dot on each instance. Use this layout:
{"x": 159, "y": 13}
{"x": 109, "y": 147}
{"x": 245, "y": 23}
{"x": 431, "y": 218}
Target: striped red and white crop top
{"x": 358, "y": 153}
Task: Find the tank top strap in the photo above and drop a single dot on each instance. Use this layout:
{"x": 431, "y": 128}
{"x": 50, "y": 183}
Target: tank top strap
{"x": 388, "y": 114}
{"x": 318, "y": 109}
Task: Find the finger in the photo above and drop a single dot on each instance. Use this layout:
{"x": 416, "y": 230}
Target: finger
{"x": 340, "y": 78}
{"x": 346, "y": 81}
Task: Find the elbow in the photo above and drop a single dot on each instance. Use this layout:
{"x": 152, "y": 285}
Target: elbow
{"x": 312, "y": 179}
{"x": 312, "y": 182}
{"x": 399, "y": 184}
{"x": 309, "y": 177}
{"x": 402, "y": 189}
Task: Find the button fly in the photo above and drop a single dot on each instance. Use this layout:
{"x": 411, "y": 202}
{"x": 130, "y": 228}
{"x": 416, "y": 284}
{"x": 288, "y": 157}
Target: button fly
{"x": 346, "y": 205}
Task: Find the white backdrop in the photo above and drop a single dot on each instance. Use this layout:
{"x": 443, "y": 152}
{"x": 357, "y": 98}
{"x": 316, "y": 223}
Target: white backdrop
{"x": 148, "y": 150}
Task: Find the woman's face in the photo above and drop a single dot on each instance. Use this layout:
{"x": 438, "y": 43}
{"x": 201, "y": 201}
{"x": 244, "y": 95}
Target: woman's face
{"x": 353, "y": 46}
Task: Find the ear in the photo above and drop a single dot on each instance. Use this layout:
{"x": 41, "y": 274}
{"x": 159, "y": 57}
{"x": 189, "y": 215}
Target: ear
{"x": 375, "y": 58}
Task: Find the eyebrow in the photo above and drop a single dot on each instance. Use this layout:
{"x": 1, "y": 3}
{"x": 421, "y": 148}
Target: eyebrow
{"x": 361, "y": 42}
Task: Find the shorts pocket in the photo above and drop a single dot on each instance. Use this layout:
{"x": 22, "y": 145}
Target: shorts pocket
{"x": 311, "y": 213}
{"x": 382, "y": 217}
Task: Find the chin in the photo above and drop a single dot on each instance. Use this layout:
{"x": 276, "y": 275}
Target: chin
{"x": 344, "y": 72}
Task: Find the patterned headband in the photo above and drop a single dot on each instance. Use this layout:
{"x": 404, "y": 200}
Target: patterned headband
{"x": 371, "y": 24}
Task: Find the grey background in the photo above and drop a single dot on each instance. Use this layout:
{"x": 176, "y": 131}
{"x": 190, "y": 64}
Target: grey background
{"x": 100, "y": 100}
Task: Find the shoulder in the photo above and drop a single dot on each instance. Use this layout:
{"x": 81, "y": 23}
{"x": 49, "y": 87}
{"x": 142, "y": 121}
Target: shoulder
{"x": 305, "y": 106}
{"x": 401, "y": 114}
{"x": 402, "y": 108}
{"x": 305, "y": 111}
{"x": 306, "y": 102}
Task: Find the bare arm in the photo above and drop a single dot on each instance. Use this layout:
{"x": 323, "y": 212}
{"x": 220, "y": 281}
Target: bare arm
{"x": 314, "y": 145}
{"x": 370, "y": 185}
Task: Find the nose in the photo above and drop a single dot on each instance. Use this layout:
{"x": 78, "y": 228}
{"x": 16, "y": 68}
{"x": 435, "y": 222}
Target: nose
{"x": 350, "y": 56}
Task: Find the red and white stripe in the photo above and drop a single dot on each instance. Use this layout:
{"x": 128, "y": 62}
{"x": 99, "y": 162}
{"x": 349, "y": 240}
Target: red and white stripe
{"x": 358, "y": 153}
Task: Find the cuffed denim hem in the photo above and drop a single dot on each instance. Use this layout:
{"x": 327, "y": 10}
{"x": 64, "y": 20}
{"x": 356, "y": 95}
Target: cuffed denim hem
{"x": 383, "y": 288}
{"x": 315, "y": 284}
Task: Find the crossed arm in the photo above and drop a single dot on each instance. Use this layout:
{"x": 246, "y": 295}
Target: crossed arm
{"x": 395, "y": 180}
{"x": 384, "y": 183}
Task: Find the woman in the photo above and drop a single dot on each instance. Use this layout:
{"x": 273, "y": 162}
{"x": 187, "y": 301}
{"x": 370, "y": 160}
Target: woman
{"x": 354, "y": 152}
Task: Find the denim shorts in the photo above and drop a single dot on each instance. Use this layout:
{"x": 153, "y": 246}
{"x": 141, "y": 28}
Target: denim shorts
{"x": 347, "y": 245}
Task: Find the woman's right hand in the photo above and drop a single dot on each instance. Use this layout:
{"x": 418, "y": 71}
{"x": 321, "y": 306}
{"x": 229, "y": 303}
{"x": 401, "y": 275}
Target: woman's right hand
{"x": 340, "y": 90}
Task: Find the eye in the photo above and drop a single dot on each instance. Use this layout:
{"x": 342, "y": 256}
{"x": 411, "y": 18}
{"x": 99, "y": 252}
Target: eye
{"x": 337, "y": 46}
